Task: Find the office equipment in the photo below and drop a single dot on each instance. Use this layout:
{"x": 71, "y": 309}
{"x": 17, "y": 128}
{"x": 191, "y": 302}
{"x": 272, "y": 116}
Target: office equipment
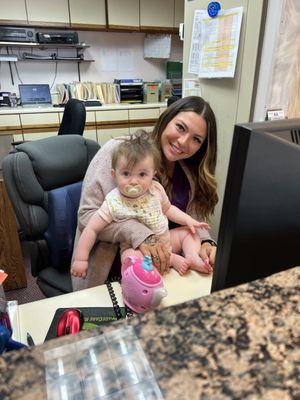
{"x": 131, "y": 90}
{"x": 67, "y": 37}
{"x": 35, "y": 95}
{"x": 260, "y": 223}
{"x": 17, "y": 34}
{"x": 5, "y": 99}
{"x": 92, "y": 317}
{"x": 151, "y": 92}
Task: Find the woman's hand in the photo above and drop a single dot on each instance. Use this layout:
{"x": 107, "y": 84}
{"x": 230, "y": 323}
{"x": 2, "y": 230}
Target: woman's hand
{"x": 208, "y": 253}
{"x": 160, "y": 255}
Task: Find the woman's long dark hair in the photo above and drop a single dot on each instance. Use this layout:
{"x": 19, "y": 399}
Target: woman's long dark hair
{"x": 202, "y": 164}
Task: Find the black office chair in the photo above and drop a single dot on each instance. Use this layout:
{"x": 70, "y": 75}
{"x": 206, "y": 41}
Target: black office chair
{"x": 43, "y": 179}
{"x": 74, "y": 117}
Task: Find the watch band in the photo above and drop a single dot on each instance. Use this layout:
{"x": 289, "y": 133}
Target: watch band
{"x": 210, "y": 241}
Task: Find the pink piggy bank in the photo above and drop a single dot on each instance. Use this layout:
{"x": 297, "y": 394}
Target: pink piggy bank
{"x": 142, "y": 284}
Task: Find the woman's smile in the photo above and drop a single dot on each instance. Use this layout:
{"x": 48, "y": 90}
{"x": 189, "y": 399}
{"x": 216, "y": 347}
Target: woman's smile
{"x": 176, "y": 149}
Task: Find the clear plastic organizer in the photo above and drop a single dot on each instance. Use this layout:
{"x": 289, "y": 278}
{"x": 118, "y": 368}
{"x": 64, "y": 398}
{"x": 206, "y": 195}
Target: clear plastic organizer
{"x": 111, "y": 366}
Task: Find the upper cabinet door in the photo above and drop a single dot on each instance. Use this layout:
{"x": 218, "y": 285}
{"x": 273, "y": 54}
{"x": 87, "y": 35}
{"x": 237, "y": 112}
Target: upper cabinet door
{"x": 13, "y": 12}
{"x": 123, "y": 14}
{"x": 88, "y": 14}
{"x": 157, "y": 15}
{"x": 179, "y": 13}
{"x": 48, "y": 13}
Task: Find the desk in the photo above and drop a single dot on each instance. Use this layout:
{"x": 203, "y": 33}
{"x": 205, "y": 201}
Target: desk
{"x": 239, "y": 343}
{"x": 11, "y": 260}
{"x": 36, "y": 317}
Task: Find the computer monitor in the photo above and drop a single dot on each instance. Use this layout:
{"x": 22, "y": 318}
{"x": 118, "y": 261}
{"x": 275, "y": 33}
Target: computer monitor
{"x": 260, "y": 223}
{"x": 35, "y": 95}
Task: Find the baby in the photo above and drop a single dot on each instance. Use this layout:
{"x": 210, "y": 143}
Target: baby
{"x": 138, "y": 195}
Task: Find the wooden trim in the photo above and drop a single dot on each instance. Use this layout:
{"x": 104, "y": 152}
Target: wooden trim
{"x": 112, "y": 123}
{"x": 40, "y": 128}
{"x": 112, "y": 126}
{"x": 147, "y": 121}
{"x": 10, "y": 130}
{"x": 49, "y": 24}
{"x": 88, "y": 27}
{"x": 90, "y": 127}
{"x": 14, "y": 22}
{"x": 157, "y": 29}
{"x": 123, "y": 28}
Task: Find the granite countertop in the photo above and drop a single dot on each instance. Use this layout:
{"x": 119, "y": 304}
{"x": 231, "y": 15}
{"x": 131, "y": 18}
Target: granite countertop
{"x": 240, "y": 343}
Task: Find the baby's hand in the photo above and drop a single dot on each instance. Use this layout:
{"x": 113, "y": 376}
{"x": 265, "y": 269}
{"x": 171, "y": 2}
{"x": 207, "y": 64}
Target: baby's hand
{"x": 79, "y": 268}
{"x": 193, "y": 223}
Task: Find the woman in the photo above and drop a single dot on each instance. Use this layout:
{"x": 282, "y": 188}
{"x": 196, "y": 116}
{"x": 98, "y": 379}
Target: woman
{"x": 186, "y": 135}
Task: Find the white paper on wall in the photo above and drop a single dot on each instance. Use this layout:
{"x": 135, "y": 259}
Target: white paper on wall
{"x": 193, "y": 66}
{"x": 191, "y": 87}
{"x": 109, "y": 60}
{"x": 215, "y": 43}
{"x": 219, "y": 44}
{"x": 125, "y": 60}
{"x": 157, "y": 46}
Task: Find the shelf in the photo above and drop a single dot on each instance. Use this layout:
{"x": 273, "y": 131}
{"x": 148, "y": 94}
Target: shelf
{"x": 53, "y": 60}
{"x": 41, "y": 46}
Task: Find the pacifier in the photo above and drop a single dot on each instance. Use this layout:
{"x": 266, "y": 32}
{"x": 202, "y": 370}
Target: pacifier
{"x": 133, "y": 190}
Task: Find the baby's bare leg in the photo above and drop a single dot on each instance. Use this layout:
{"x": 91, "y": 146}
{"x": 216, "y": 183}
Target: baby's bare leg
{"x": 181, "y": 264}
{"x": 190, "y": 244}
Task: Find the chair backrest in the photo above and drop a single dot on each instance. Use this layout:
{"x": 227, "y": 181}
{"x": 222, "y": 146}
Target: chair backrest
{"x": 43, "y": 179}
{"x": 74, "y": 116}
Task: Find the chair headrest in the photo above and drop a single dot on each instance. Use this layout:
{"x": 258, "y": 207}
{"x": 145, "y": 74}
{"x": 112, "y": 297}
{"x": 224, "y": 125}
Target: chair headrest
{"x": 60, "y": 160}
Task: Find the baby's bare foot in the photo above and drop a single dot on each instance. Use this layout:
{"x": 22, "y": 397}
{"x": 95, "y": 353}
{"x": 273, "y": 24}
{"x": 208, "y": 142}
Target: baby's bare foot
{"x": 180, "y": 263}
{"x": 196, "y": 263}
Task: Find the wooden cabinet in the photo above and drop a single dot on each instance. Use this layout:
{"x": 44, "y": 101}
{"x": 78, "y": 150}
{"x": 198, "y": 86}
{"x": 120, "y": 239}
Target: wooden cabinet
{"x": 89, "y": 14}
{"x": 48, "y": 13}
{"x": 101, "y": 124}
{"x": 11, "y": 260}
{"x": 90, "y": 130}
{"x": 111, "y": 123}
{"x": 123, "y": 15}
{"x": 157, "y": 15}
{"x": 39, "y": 126}
{"x": 143, "y": 119}
{"x": 13, "y": 12}
{"x": 178, "y": 13}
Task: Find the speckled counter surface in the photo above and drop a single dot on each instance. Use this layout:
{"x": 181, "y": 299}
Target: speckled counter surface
{"x": 241, "y": 343}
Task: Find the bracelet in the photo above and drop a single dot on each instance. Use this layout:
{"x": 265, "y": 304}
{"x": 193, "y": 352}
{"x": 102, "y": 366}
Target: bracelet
{"x": 210, "y": 241}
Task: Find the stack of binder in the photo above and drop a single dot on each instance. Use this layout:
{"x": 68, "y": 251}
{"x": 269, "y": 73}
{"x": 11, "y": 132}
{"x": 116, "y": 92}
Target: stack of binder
{"x": 106, "y": 93}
